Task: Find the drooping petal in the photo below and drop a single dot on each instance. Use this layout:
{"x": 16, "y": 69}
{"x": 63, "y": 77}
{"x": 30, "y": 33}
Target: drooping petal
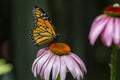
{"x": 97, "y": 19}
{"x": 56, "y": 68}
{"x": 79, "y": 61}
{"x": 49, "y": 67}
{"x": 45, "y": 65}
{"x": 69, "y": 65}
{"x": 107, "y": 34}
{"x": 42, "y": 51}
{"x": 63, "y": 69}
{"x": 78, "y": 71}
{"x": 97, "y": 29}
{"x": 116, "y": 27}
{"x": 35, "y": 62}
{"x": 41, "y": 62}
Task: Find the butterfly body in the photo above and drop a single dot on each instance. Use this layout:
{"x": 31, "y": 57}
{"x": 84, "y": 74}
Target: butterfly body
{"x": 44, "y": 31}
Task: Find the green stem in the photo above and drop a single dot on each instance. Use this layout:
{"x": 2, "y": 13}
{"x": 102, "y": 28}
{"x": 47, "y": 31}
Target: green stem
{"x": 113, "y": 62}
{"x": 58, "y": 77}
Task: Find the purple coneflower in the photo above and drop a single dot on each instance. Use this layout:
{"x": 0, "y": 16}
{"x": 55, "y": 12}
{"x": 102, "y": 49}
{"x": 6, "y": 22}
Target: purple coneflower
{"x": 108, "y": 26}
{"x": 57, "y": 59}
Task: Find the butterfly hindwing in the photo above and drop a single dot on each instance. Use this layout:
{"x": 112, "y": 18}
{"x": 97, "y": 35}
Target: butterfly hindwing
{"x": 44, "y": 31}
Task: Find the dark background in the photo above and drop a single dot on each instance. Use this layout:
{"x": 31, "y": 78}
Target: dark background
{"x": 71, "y": 18}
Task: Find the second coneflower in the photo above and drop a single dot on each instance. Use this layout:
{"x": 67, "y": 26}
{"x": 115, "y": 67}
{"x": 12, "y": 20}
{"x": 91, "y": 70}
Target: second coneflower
{"x": 57, "y": 59}
{"x": 108, "y": 26}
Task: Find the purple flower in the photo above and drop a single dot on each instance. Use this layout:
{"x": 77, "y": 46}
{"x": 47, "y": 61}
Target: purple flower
{"x": 107, "y": 25}
{"x": 59, "y": 60}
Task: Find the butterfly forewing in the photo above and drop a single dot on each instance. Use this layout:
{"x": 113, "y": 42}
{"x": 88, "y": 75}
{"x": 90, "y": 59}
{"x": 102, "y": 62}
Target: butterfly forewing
{"x": 44, "y": 31}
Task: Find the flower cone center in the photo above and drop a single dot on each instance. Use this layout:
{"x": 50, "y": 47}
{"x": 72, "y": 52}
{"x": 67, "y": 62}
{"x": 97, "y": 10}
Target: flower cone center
{"x": 113, "y": 11}
{"x": 60, "y": 48}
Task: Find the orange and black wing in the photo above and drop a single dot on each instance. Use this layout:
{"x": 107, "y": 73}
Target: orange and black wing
{"x": 44, "y": 31}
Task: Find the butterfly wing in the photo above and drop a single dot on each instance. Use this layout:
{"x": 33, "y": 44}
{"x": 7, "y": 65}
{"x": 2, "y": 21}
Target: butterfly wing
{"x": 44, "y": 31}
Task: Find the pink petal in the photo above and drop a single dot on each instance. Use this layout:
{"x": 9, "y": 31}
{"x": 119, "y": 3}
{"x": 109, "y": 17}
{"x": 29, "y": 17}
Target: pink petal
{"x": 107, "y": 34}
{"x": 35, "y": 62}
{"x": 98, "y": 28}
{"x": 56, "y": 68}
{"x": 63, "y": 70}
{"x": 48, "y": 68}
{"x": 79, "y": 61}
{"x": 45, "y": 65}
{"x": 41, "y": 62}
{"x": 41, "y": 51}
{"x": 77, "y": 69}
{"x": 116, "y": 35}
{"x": 69, "y": 65}
{"x": 97, "y": 20}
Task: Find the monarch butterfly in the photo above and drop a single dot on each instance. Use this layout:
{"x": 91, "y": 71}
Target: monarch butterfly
{"x": 44, "y": 31}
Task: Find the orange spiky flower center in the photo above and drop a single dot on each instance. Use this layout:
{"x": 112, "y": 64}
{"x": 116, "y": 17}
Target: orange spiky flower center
{"x": 60, "y": 48}
{"x": 113, "y": 10}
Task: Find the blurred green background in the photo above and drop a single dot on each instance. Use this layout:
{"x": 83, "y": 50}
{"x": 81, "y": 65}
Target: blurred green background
{"x": 71, "y": 18}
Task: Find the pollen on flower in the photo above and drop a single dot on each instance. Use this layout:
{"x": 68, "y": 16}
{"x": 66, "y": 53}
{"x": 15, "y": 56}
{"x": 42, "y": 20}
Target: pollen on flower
{"x": 60, "y": 48}
{"x": 113, "y": 11}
